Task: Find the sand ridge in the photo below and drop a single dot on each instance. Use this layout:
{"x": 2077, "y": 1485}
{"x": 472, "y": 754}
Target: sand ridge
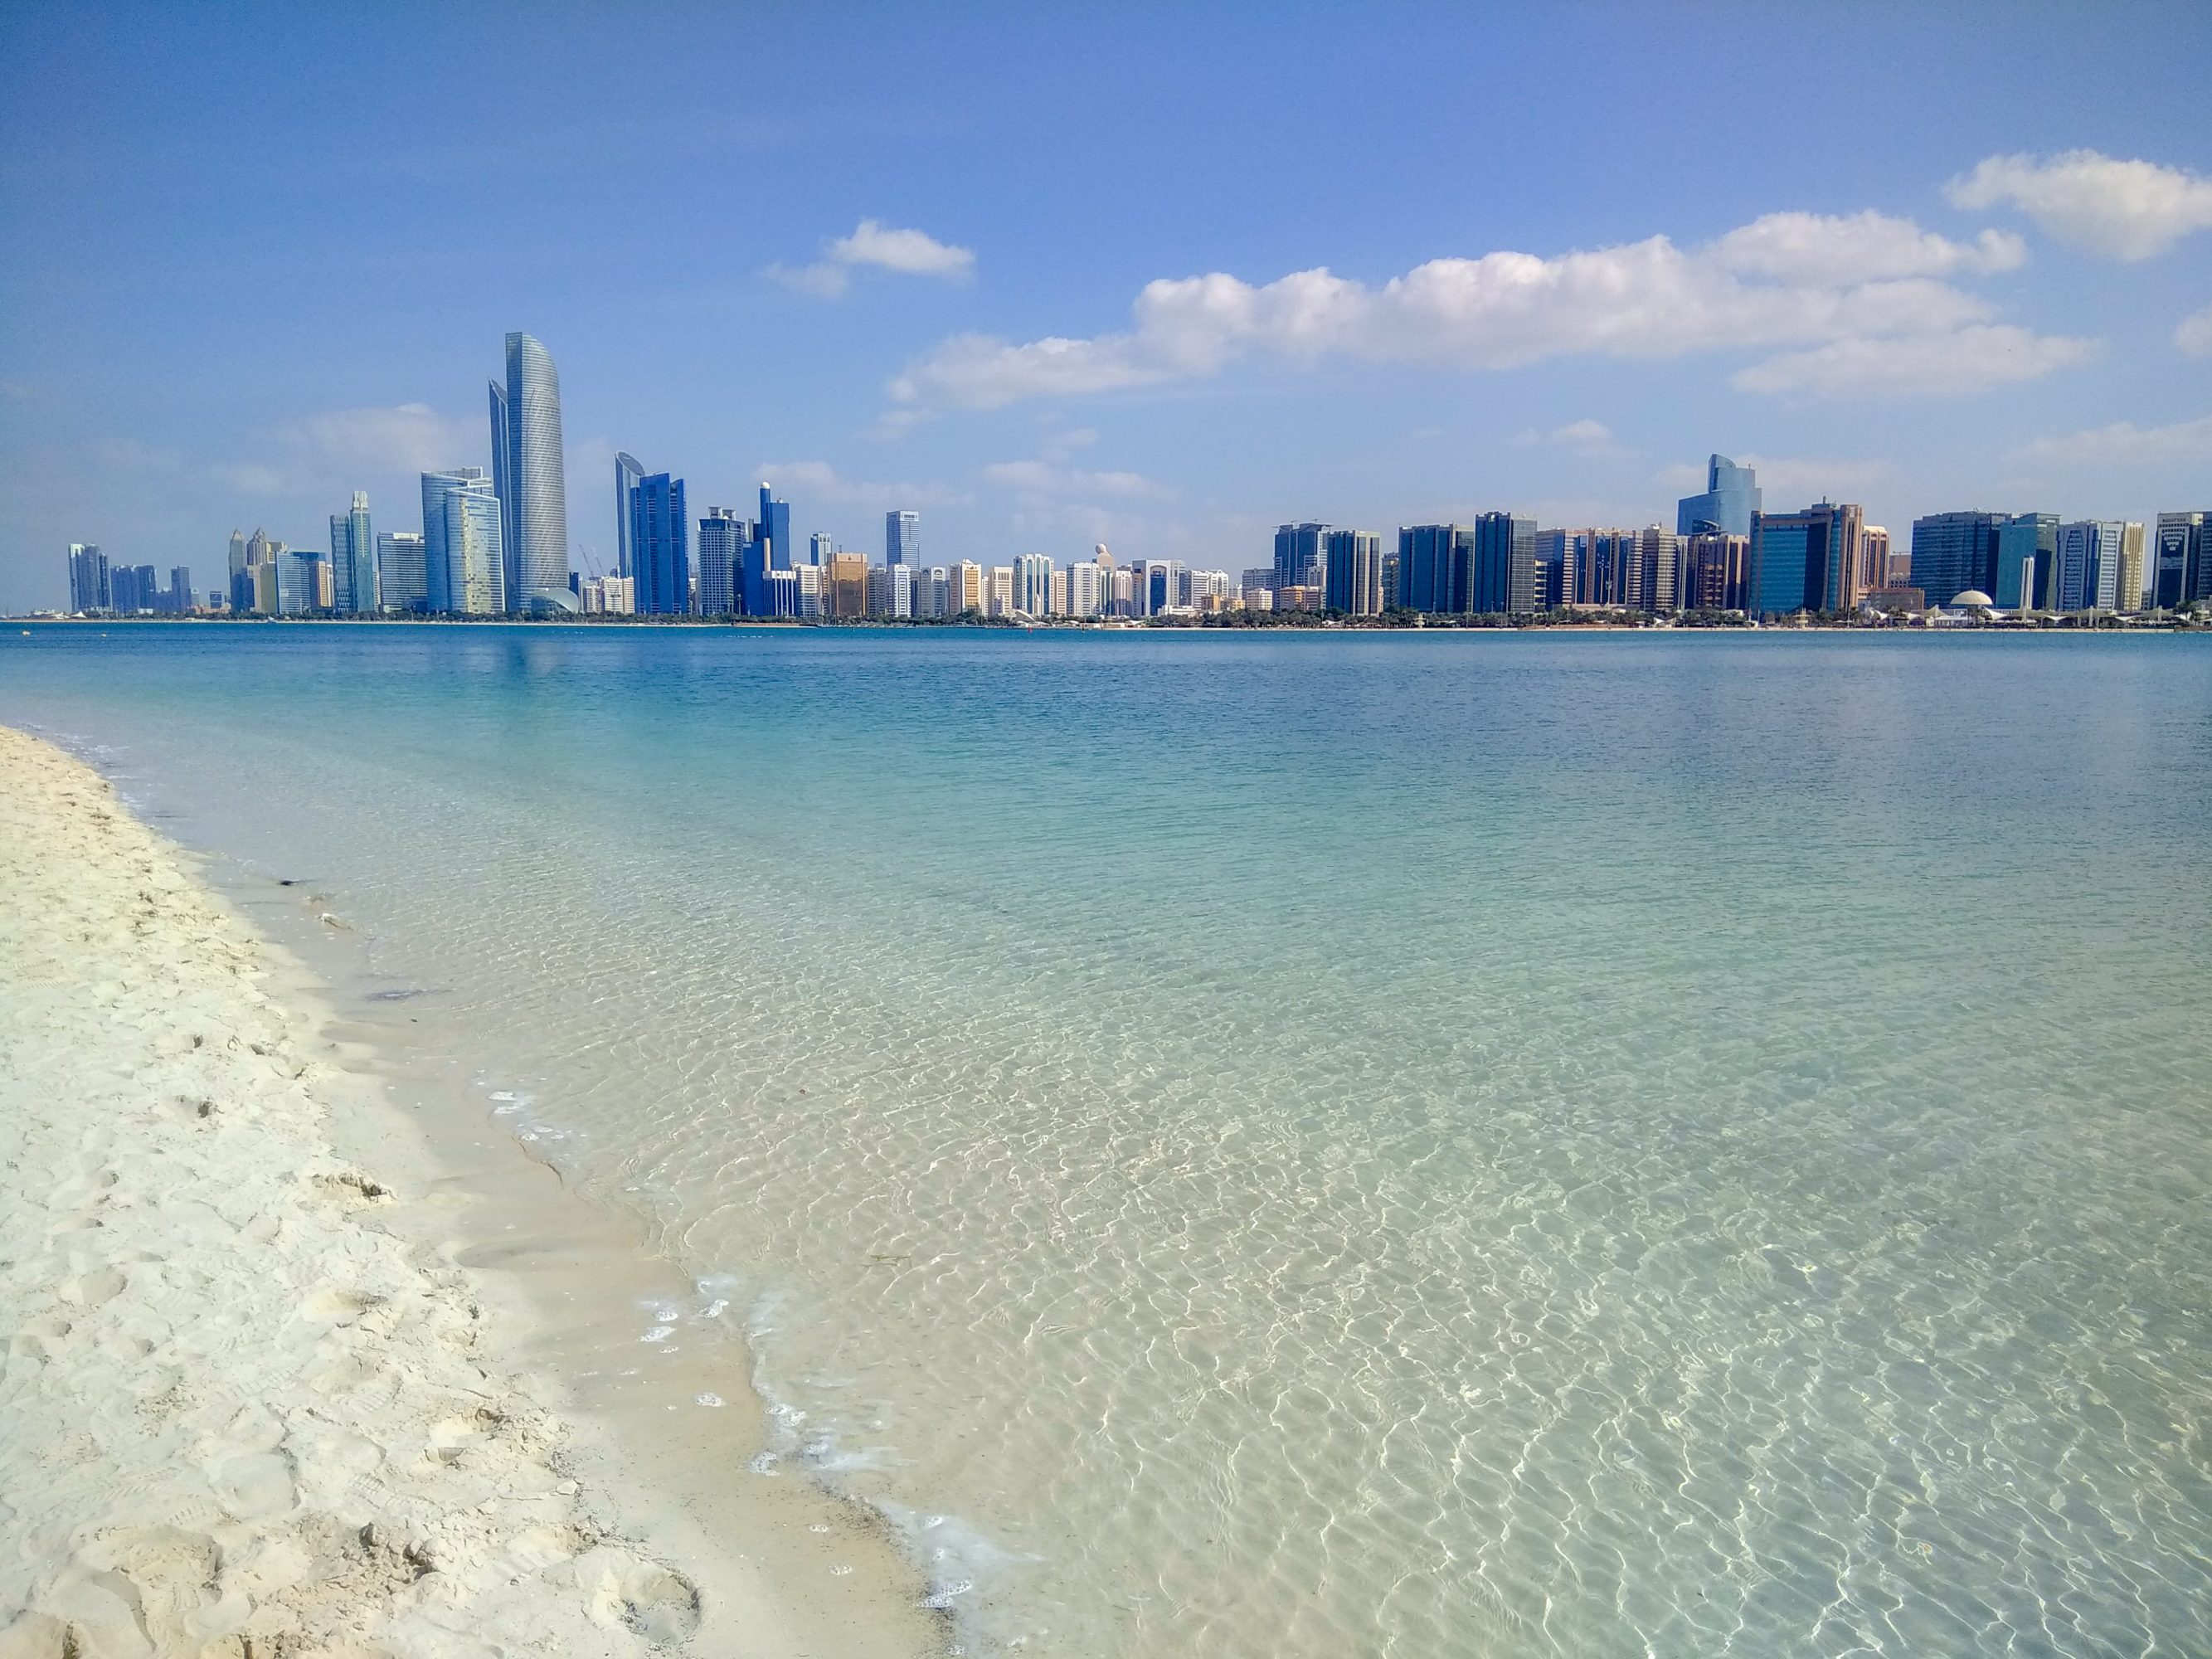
{"x": 236, "y": 1418}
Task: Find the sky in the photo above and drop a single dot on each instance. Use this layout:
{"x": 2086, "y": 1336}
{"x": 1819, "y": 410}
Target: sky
{"x": 1163, "y": 277}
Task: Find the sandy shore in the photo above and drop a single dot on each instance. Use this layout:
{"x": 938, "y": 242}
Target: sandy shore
{"x": 248, "y": 1410}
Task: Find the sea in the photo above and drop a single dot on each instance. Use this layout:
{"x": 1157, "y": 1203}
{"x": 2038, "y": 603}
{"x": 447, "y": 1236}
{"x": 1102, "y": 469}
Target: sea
{"x": 1329, "y": 1144}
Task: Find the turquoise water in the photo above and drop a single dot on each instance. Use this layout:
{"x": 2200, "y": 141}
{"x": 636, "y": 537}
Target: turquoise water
{"x": 1490, "y": 1145}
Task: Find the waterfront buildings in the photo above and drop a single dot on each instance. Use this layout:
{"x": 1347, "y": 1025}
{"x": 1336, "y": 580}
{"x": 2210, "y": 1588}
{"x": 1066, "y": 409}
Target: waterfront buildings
{"x": 660, "y": 548}
{"x": 353, "y": 560}
{"x": 628, "y": 473}
{"x": 90, "y": 589}
{"x": 2027, "y": 550}
{"x": 1809, "y": 560}
{"x": 1354, "y": 578}
{"x": 529, "y": 480}
{"x": 463, "y": 563}
{"x": 607, "y": 596}
{"x": 890, "y": 592}
{"x": 1432, "y": 560}
{"x": 902, "y": 538}
{"x": 1726, "y": 507}
{"x": 1301, "y": 554}
{"x": 2181, "y": 561}
{"x": 403, "y": 585}
{"x": 724, "y": 539}
{"x": 1954, "y": 553}
{"x": 819, "y": 548}
{"x": 845, "y": 590}
{"x": 1716, "y": 567}
{"x": 774, "y": 528}
{"x": 2090, "y": 564}
{"x": 1032, "y": 585}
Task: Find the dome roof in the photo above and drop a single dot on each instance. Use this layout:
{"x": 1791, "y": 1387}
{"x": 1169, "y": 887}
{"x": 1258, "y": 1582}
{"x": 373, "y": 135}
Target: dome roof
{"x": 1974, "y": 598}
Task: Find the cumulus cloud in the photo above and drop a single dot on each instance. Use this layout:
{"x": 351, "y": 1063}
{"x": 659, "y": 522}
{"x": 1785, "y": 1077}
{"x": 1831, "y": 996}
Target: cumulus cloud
{"x": 818, "y": 481}
{"x": 402, "y": 438}
{"x": 884, "y": 248}
{"x": 1965, "y": 360}
{"x": 1043, "y": 478}
{"x": 2125, "y": 209}
{"x": 1789, "y": 280}
{"x": 2124, "y": 443}
{"x": 2194, "y": 336}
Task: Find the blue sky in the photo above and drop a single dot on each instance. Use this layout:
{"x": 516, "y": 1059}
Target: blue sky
{"x": 261, "y": 257}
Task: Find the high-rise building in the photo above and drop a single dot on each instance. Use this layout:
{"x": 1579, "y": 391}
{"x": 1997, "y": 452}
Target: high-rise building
{"x": 628, "y": 475}
{"x": 353, "y": 560}
{"x": 1434, "y": 567}
{"x": 463, "y": 565}
{"x": 2128, "y": 596}
{"x": 1301, "y": 554}
{"x": 1609, "y": 568}
{"x": 1954, "y": 553}
{"x": 1877, "y": 558}
{"x": 774, "y": 529}
{"x": 1731, "y": 496}
{"x": 846, "y": 589}
{"x": 131, "y": 589}
{"x": 819, "y": 548}
{"x": 1353, "y": 574}
{"x": 902, "y": 538}
{"x": 240, "y": 584}
{"x": 2027, "y": 548}
{"x": 723, "y": 538}
{"x": 999, "y": 591}
{"x": 529, "y": 481}
{"x": 2179, "y": 555}
{"x": 179, "y": 600}
{"x": 1558, "y": 558}
{"x": 1714, "y": 570}
{"x": 660, "y": 546}
{"x": 1087, "y": 588}
{"x": 1807, "y": 561}
{"x": 1502, "y": 544}
{"x": 890, "y": 592}
{"x": 402, "y": 585}
{"x": 1659, "y": 570}
{"x": 89, "y": 587}
{"x": 963, "y": 588}
{"x": 1032, "y": 594}
{"x": 303, "y": 582}
{"x": 2086, "y": 572}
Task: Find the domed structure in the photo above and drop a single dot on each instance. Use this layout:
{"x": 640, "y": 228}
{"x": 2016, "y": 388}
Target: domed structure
{"x": 1973, "y": 599}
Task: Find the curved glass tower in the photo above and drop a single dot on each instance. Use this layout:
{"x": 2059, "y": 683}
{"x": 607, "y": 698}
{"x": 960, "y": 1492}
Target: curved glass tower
{"x": 527, "y": 476}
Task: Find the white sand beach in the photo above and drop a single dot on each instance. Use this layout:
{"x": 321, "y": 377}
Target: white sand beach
{"x": 244, "y": 1411}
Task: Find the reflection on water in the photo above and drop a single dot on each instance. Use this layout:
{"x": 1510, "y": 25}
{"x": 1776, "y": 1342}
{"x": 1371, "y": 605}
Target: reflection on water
{"x": 1495, "y": 1146}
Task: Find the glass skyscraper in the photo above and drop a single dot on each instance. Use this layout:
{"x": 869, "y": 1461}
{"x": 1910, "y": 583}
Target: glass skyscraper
{"x": 2027, "y": 546}
{"x": 1301, "y": 556}
{"x": 627, "y": 474}
{"x": 1353, "y": 583}
{"x": 660, "y": 544}
{"x": 774, "y": 529}
{"x": 902, "y": 538}
{"x": 1731, "y": 496}
{"x": 1434, "y": 562}
{"x": 353, "y": 560}
{"x": 528, "y": 479}
{"x": 1954, "y": 552}
{"x": 2179, "y": 558}
{"x": 1809, "y": 561}
{"x": 90, "y": 589}
{"x": 723, "y": 538}
{"x": 464, "y": 562}
{"x": 401, "y": 583}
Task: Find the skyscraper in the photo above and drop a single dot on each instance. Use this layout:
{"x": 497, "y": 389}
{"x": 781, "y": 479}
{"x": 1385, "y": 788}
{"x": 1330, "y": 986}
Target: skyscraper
{"x": 1500, "y": 539}
{"x": 2086, "y": 574}
{"x": 1434, "y": 562}
{"x": 463, "y": 563}
{"x": 2027, "y": 545}
{"x": 1714, "y": 570}
{"x": 353, "y": 560}
{"x": 723, "y": 538}
{"x": 902, "y": 538}
{"x": 89, "y": 588}
{"x": 627, "y": 474}
{"x": 1954, "y": 552}
{"x": 660, "y": 548}
{"x": 401, "y": 583}
{"x": 1809, "y": 561}
{"x": 1731, "y": 496}
{"x": 1301, "y": 554}
{"x": 1659, "y": 570}
{"x": 2177, "y": 561}
{"x": 180, "y": 601}
{"x": 774, "y": 529}
{"x": 241, "y": 576}
{"x": 1354, "y": 582}
{"x": 528, "y": 478}
{"x": 1033, "y": 584}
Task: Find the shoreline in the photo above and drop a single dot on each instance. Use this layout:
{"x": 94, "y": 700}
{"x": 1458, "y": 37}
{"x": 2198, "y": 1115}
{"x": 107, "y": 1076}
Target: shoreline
{"x": 308, "y": 1354}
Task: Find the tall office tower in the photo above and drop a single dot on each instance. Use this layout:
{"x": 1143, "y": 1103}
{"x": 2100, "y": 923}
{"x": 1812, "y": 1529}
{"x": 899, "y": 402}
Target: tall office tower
{"x": 149, "y": 587}
{"x": 1087, "y": 588}
{"x": 463, "y": 565}
{"x": 528, "y": 478}
{"x": 722, "y": 538}
{"x": 2129, "y": 596}
{"x": 1876, "y": 573}
{"x": 123, "y": 590}
{"x": 810, "y": 579}
{"x": 2177, "y": 560}
{"x": 1504, "y": 547}
{"x": 1609, "y": 568}
{"x": 1559, "y": 556}
{"x": 890, "y": 591}
{"x": 180, "y": 601}
{"x": 89, "y": 588}
{"x": 1301, "y": 554}
{"x": 1954, "y": 552}
{"x": 1033, "y": 584}
{"x": 1434, "y": 567}
{"x": 353, "y": 559}
{"x": 2027, "y": 548}
{"x": 820, "y": 547}
{"x": 401, "y": 583}
{"x": 1713, "y": 571}
{"x": 660, "y": 546}
{"x": 628, "y": 475}
{"x": 846, "y": 589}
{"x": 963, "y": 588}
{"x": 902, "y": 538}
{"x": 753, "y": 572}
{"x": 303, "y": 582}
{"x": 2086, "y": 572}
{"x": 1731, "y": 496}
{"x": 774, "y": 529}
{"x": 1353, "y": 580}
{"x": 1807, "y": 561}
{"x": 1659, "y": 572}
{"x": 240, "y": 584}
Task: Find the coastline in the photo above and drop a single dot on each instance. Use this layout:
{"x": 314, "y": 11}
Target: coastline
{"x": 298, "y": 1362}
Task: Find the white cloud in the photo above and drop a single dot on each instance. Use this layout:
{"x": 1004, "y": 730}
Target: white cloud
{"x": 1591, "y": 437}
{"x": 2125, "y": 443}
{"x": 2194, "y": 336}
{"x": 1782, "y": 477}
{"x": 1043, "y": 478}
{"x": 818, "y": 481}
{"x": 1966, "y": 359}
{"x": 404, "y": 438}
{"x": 884, "y": 248}
{"x": 1793, "y": 280}
{"x": 2125, "y": 209}
{"x": 249, "y": 478}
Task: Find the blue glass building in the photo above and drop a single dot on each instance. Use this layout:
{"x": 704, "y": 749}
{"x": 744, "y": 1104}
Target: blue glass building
{"x": 723, "y": 540}
{"x": 353, "y": 560}
{"x": 902, "y": 538}
{"x": 774, "y": 529}
{"x": 627, "y": 472}
{"x": 1434, "y": 572}
{"x": 1953, "y": 552}
{"x": 1731, "y": 497}
{"x": 1301, "y": 556}
{"x": 464, "y": 564}
{"x": 660, "y": 546}
{"x": 1809, "y": 561}
{"x": 2027, "y": 548}
{"x": 529, "y": 478}
{"x": 1354, "y": 582}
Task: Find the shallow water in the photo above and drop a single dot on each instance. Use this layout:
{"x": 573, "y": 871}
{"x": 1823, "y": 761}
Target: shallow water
{"x": 1489, "y": 1145}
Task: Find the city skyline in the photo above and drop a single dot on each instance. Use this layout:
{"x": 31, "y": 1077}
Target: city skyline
{"x": 1412, "y": 324}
